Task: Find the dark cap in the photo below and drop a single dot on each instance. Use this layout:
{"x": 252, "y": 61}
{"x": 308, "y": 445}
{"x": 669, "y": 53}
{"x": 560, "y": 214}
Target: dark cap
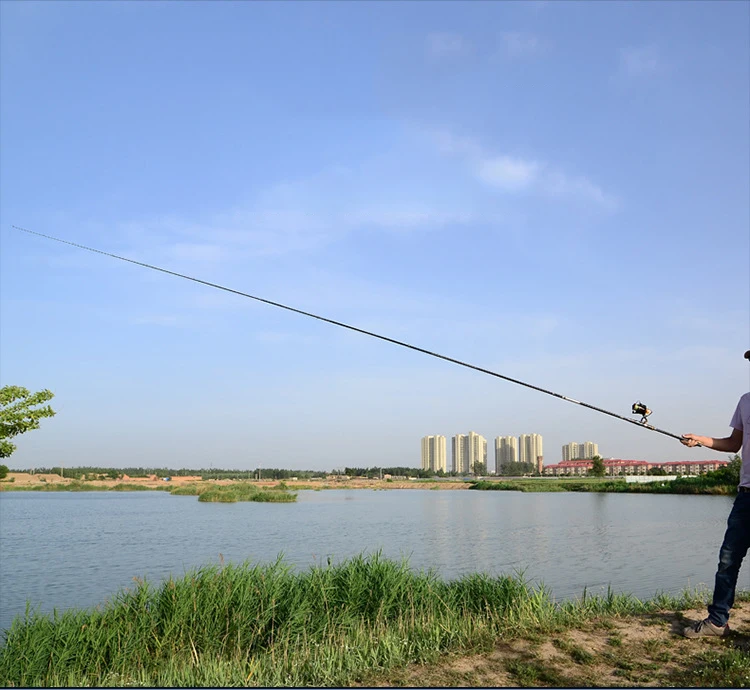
{"x": 747, "y": 355}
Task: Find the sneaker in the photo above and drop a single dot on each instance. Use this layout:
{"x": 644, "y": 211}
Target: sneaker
{"x": 706, "y": 628}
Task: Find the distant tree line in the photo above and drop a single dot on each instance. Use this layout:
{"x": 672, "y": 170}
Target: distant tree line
{"x": 210, "y": 473}
{"x": 375, "y": 472}
{"x": 109, "y": 472}
{"x": 479, "y": 469}
{"x": 516, "y": 469}
{"x": 260, "y": 473}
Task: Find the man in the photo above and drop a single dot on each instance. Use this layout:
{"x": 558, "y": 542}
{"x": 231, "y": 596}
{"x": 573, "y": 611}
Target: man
{"x": 737, "y": 536}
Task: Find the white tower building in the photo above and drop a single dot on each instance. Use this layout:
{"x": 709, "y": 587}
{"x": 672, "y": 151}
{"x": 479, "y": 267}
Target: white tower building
{"x": 433, "y": 453}
{"x": 530, "y": 448}
{"x": 468, "y": 449}
{"x": 506, "y": 451}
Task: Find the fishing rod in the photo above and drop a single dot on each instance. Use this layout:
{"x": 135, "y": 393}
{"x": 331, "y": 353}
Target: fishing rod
{"x": 638, "y": 408}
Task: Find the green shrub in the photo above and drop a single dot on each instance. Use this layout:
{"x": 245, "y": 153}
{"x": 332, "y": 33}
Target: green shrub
{"x": 217, "y": 496}
{"x": 190, "y": 490}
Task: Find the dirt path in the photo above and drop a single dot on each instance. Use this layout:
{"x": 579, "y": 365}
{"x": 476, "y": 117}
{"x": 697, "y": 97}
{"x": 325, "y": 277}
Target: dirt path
{"x": 639, "y": 651}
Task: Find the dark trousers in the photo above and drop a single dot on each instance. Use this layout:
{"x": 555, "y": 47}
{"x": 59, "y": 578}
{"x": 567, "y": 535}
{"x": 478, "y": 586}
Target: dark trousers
{"x": 733, "y": 550}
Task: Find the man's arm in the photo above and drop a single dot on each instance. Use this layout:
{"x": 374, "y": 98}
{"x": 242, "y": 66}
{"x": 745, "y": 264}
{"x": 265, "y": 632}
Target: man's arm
{"x": 730, "y": 444}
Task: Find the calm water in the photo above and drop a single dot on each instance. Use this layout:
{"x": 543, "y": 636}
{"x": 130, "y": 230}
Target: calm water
{"x": 77, "y": 549}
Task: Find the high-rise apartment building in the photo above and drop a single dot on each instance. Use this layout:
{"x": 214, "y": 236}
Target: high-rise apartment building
{"x": 468, "y": 449}
{"x": 580, "y": 451}
{"x": 460, "y": 451}
{"x": 590, "y": 449}
{"x": 433, "y": 453}
{"x": 506, "y": 451}
{"x": 530, "y": 448}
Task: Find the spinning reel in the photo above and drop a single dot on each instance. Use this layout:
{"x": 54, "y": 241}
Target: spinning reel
{"x": 641, "y": 409}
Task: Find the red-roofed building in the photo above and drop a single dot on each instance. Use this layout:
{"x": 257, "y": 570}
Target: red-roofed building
{"x": 616, "y": 467}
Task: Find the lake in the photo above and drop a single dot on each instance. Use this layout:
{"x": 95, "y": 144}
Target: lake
{"x": 77, "y": 549}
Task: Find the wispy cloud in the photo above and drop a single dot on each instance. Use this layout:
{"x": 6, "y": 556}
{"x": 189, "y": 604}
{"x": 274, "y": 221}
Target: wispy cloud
{"x": 519, "y": 44}
{"x": 511, "y": 174}
{"x": 559, "y": 185}
{"x": 641, "y": 61}
{"x": 443, "y": 44}
{"x": 403, "y": 218}
{"x": 407, "y": 190}
{"x": 298, "y": 224}
{"x": 515, "y": 174}
{"x": 450, "y": 144}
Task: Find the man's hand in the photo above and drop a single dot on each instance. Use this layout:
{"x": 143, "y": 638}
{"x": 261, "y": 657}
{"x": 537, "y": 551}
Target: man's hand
{"x": 730, "y": 444}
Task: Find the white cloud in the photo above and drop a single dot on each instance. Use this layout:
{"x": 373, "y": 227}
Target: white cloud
{"x": 307, "y": 214}
{"x": 450, "y": 144}
{"x": 442, "y": 44}
{"x": 559, "y": 185}
{"x": 256, "y": 232}
{"x": 512, "y": 174}
{"x": 515, "y": 174}
{"x": 518, "y": 44}
{"x": 641, "y": 61}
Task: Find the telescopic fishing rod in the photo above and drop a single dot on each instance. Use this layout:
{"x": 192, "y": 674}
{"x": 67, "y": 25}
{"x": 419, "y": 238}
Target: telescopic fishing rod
{"x": 638, "y": 408}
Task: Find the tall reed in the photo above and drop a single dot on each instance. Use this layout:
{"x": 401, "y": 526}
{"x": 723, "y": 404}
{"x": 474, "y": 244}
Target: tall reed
{"x": 271, "y": 625}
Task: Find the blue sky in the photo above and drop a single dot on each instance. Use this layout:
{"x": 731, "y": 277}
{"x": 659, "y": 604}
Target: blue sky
{"x": 555, "y": 191}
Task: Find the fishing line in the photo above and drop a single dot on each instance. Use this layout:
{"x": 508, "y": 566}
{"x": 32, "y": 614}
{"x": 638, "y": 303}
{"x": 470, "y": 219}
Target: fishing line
{"x": 638, "y": 408}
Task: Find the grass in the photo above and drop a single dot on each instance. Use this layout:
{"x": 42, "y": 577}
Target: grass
{"x": 269, "y": 625}
{"x": 533, "y": 673}
{"x": 137, "y": 487}
{"x": 53, "y": 486}
{"x": 551, "y": 485}
{"x": 718, "y": 668}
{"x": 206, "y": 492}
{"x": 579, "y": 655}
{"x": 189, "y": 490}
{"x": 243, "y": 492}
{"x": 77, "y": 485}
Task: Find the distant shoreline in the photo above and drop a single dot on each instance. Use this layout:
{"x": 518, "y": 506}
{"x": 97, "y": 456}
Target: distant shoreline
{"x": 54, "y": 482}
{"x": 19, "y": 481}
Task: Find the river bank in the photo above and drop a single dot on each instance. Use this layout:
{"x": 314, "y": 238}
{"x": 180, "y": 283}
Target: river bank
{"x": 22, "y": 481}
{"x": 243, "y": 487}
{"x": 206, "y": 491}
{"x": 368, "y": 621}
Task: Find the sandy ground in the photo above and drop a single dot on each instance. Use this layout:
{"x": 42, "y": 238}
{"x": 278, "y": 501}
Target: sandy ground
{"x": 638, "y": 651}
{"x": 22, "y": 478}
